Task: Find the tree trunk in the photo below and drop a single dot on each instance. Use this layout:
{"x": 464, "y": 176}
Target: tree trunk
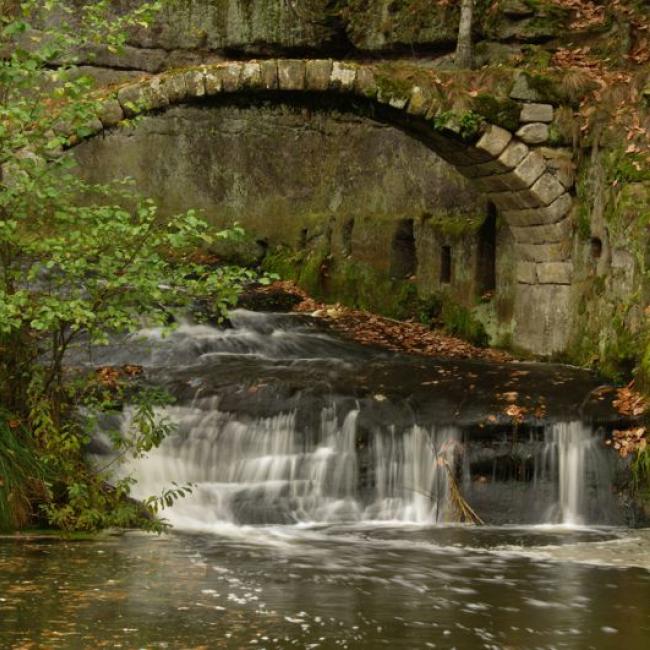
{"x": 464, "y": 46}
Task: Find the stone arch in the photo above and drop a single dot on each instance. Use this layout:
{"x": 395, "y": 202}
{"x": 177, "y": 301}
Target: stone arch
{"x": 531, "y": 194}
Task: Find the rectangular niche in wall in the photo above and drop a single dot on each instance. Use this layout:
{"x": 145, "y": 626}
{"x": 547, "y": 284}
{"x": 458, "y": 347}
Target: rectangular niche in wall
{"x": 403, "y": 259}
{"x": 445, "y": 264}
{"x": 486, "y": 278}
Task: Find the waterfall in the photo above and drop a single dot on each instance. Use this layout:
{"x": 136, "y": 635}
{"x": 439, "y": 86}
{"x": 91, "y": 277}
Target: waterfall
{"x": 266, "y": 470}
{"x": 575, "y": 456}
{"x": 278, "y": 422}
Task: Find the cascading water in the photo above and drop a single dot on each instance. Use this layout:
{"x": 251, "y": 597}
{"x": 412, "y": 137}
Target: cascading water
{"x": 264, "y": 470}
{"x": 575, "y": 456}
{"x": 280, "y": 423}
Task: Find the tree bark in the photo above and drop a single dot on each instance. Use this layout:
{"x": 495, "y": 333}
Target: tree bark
{"x": 464, "y": 45}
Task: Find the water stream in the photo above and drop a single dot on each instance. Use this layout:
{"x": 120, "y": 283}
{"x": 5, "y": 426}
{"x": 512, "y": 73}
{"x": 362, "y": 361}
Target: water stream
{"x": 293, "y": 432}
{"x": 322, "y": 514}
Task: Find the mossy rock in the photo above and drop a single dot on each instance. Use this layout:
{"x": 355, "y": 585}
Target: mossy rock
{"x": 396, "y": 24}
{"x": 502, "y": 112}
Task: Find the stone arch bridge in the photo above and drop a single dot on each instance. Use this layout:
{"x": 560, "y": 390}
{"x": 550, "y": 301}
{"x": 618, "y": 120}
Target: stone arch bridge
{"x": 532, "y": 194}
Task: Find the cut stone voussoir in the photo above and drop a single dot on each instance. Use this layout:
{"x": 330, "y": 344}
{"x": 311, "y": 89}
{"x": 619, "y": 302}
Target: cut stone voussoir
{"x": 174, "y": 87}
{"x": 131, "y": 99}
{"x": 537, "y": 216}
{"x": 526, "y": 172}
{"x": 419, "y": 101}
{"x": 318, "y": 72}
{"x": 365, "y": 83}
{"x": 494, "y": 140}
{"x": 513, "y": 154}
{"x": 231, "y": 77}
{"x": 110, "y": 113}
{"x": 343, "y": 76}
{"x": 547, "y": 233}
{"x": 269, "y": 70}
{"x": 251, "y": 76}
{"x": 291, "y": 74}
{"x": 195, "y": 83}
{"x": 547, "y": 188}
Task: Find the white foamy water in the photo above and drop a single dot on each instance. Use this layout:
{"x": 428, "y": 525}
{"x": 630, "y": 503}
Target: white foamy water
{"x": 263, "y": 446}
{"x": 267, "y": 471}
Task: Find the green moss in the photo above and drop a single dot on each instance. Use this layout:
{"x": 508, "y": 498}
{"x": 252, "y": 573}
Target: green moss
{"x": 283, "y": 262}
{"x": 468, "y": 125}
{"x": 545, "y": 86}
{"x": 459, "y": 321}
{"x": 536, "y": 56}
{"x": 455, "y": 224}
{"x": 502, "y": 112}
{"x": 629, "y": 168}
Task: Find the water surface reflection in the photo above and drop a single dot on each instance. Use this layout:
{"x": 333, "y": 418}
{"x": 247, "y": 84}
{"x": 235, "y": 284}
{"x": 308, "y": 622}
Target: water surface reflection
{"x": 329, "y": 587}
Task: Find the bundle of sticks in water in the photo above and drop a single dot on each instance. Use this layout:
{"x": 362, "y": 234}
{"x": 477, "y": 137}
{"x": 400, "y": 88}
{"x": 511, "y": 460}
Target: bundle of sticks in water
{"x": 465, "y": 512}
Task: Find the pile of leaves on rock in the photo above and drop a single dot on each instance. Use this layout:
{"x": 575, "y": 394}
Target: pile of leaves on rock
{"x": 370, "y": 329}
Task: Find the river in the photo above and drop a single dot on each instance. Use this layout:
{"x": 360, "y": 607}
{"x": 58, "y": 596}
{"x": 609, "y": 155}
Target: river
{"x": 323, "y": 512}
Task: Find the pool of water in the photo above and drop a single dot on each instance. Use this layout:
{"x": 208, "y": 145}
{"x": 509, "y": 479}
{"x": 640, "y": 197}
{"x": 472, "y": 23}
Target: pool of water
{"x": 360, "y": 586}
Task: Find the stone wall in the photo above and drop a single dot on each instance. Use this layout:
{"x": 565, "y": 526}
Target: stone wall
{"x": 545, "y": 272}
{"x": 204, "y": 31}
{"x": 356, "y": 183}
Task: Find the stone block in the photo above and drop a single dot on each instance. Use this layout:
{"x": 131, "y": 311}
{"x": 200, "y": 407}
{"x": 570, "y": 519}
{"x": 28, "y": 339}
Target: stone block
{"x": 542, "y": 317}
{"x": 490, "y": 184}
{"x": 526, "y": 172}
{"x": 110, "y": 113}
{"x": 394, "y": 100}
{"x": 132, "y": 99}
{"x": 556, "y": 252}
{"x": 291, "y": 74}
{"x": 269, "y": 71}
{"x": 318, "y": 73}
{"x": 511, "y": 200}
{"x": 343, "y": 76}
{"x": 543, "y": 215}
{"x": 490, "y": 168}
{"x": 398, "y": 102}
{"x": 419, "y": 101}
{"x": 513, "y": 154}
{"x": 251, "y": 76}
{"x": 174, "y": 87}
{"x": 535, "y": 133}
{"x": 494, "y": 141}
{"x": 546, "y": 233}
{"x": 555, "y": 272}
{"x": 156, "y": 94}
{"x": 231, "y": 77}
{"x": 536, "y": 113}
{"x": 547, "y": 188}
{"x": 523, "y": 91}
{"x": 560, "y": 162}
{"x": 195, "y": 83}
{"x": 365, "y": 83}
{"x": 526, "y": 272}
{"x": 213, "y": 79}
